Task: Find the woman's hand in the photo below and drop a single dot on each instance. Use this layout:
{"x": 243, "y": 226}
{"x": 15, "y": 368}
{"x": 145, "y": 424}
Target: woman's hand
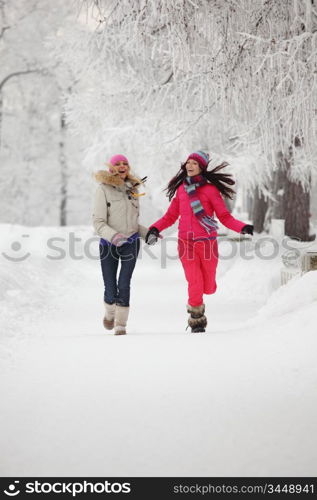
{"x": 247, "y": 229}
{"x": 152, "y": 236}
{"x": 119, "y": 239}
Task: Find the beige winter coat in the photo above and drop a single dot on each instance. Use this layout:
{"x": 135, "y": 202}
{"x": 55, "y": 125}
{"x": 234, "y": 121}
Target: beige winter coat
{"x": 114, "y": 212}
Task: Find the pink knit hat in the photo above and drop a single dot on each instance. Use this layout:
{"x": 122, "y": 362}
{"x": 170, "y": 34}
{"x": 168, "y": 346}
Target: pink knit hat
{"x": 201, "y": 157}
{"x": 116, "y": 158}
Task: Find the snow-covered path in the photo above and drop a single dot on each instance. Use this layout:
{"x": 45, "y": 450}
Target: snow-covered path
{"x": 237, "y": 401}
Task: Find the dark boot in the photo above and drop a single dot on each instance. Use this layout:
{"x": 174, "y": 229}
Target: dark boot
{"x": 197, "y": 319}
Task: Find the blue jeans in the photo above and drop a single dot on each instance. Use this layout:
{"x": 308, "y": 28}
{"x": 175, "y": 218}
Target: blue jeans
{"x": 118, "y": 291}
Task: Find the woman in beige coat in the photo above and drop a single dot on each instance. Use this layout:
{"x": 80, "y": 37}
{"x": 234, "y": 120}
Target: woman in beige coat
{"x": 115, "y": 219}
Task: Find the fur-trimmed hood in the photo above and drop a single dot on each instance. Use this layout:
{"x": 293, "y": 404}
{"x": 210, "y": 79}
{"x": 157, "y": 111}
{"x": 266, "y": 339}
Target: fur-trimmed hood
{"x": 116, "y": 210}
{"x": 113, "y": 179}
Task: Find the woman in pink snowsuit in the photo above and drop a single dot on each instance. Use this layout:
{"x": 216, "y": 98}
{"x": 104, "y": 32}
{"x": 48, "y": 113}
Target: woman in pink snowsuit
{"x": 198, "y": 195}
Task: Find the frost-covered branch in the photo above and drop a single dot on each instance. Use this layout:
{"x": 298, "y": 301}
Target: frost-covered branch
{"x": 15, "y": 74}
{"x": 168, "y": 63}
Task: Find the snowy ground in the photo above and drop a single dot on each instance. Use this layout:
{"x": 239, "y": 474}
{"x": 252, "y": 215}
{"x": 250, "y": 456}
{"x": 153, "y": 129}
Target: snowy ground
{"x": 239, "y": 400}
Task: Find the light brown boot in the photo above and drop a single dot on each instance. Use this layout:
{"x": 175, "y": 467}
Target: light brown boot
{"x": 121, "y": 318}
{"x": 197, "y": 319}
{"x": 108, "y": 320}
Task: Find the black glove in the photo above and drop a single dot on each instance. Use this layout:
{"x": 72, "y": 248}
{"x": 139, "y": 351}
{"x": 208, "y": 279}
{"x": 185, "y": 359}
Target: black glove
{"x": 247, "y": 229}
{"x": 152, "y": 236}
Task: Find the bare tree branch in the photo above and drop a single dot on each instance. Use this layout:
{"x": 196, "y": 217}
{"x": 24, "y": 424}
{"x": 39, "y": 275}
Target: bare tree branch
{"x": 16, "y": 73}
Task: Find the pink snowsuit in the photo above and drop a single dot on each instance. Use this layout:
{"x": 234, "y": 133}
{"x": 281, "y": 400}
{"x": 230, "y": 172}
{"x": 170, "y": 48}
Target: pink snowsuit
{"x": 197, "y": 249}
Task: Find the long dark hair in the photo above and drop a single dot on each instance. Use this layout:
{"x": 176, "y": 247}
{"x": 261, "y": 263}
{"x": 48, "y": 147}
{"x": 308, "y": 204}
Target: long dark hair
{"x": 213, "y": 177}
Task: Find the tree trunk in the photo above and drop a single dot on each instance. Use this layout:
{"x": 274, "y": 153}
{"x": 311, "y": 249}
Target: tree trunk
{"x": 249, "y": 204}
{"x": 259, "y": 209}
{"x": 297, "y": 206}
{"x": 64, "y": 177}
{"x": 1, "y": 116}
{"x": 279, "y": 183}
{"x": 291, "y": 202}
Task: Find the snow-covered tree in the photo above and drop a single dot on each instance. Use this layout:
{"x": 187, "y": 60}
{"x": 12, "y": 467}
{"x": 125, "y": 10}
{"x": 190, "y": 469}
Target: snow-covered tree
{"x": 161, "y": 69}
{"x": 38, "y": 157}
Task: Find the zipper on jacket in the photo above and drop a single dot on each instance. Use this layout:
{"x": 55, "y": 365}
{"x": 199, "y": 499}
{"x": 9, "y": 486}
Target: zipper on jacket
{"x": 126, "y": 211}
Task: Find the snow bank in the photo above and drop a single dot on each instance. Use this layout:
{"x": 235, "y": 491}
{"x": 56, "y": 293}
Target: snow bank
{"x": 298, "y": 293}
{"x": 36, "y": 271}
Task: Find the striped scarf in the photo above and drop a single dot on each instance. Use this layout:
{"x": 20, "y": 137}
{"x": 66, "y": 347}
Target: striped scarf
{"x": 191, "y": 184}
